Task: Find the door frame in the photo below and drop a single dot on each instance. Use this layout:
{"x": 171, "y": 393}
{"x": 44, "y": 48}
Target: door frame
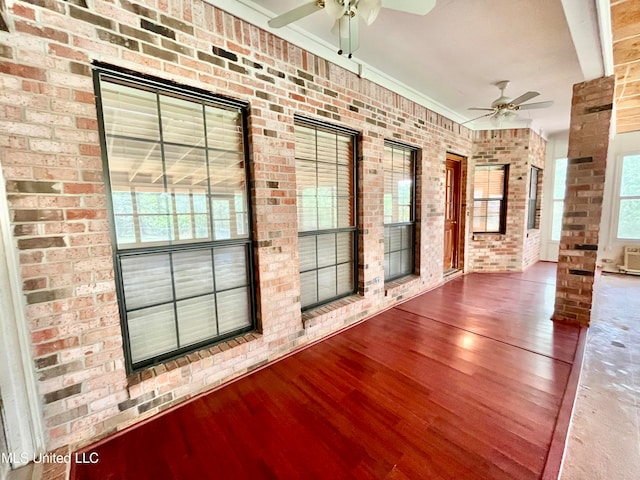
{"x": 458, "y": 253}
{"x": 20, "y": 400}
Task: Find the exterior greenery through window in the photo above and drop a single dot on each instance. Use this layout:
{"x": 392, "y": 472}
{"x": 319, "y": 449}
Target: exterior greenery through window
{"x": 399, "y": 214}
{"x": 629, "y": 216}
{"x": 325, "y": 165}
{"x": 533, "y": 218}
{"x": 559, "y": 187}
{"x": 175, "y": 163}
{"x": 490, "y": 198}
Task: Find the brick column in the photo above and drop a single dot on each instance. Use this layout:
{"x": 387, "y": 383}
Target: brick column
{"x": 591, "y": 111}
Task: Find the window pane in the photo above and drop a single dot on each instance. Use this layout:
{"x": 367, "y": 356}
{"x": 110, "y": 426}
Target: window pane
{"x": 326, "y": 250}
{"x": 493, "y": 223}
{"x": 182, "y": 121}
{"x": 398, "y": 184}
{"x": 629, "y": 220}
{"x": 231, "y": 267}
{"x": 307, "y": 253}
{"x": 152, "y": 331}
{"x": 556, "y": 227}
{"x": 233, "y": 310}
{"x": 489, "y": 181}
{"x": 560, "y": 179}
{"x": 344, "y": 247}
{"x": 327, "y": 287}
{"x": 630, "y": 185}
{"x": 309, "y": 288}
{"x": 192, "y": 273}
{"x": 146, "y": 280}
{"x": 130, "y": 112}
{"x": 345, "y": 279}
{"x": 196, "y": 319}
{"x": 224, "y": 129}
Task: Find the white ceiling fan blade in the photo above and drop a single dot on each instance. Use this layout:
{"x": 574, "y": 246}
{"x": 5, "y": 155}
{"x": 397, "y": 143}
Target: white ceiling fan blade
{"x": 483, "y": 109}
{"x": 524, "y": 97}
{"x": 417, "y": 7}
{"x": 369, "y": 10}
{"x": 477, "y": 118}
{"x": 531, "y": 106}
{"x": 295, "y": 14}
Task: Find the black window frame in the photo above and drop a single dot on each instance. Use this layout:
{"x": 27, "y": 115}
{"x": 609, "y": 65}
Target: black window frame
{"x": 353, "y": 230}
{"x": 503, "y": 201}
{"x": 533, "y": 206}
{"x": 134, "y": 79}
{"x": 410, "y": 270}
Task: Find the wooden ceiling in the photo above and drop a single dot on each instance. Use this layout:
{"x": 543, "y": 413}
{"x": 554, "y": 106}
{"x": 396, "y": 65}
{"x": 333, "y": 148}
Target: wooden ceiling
{"x": 625, "y": 22}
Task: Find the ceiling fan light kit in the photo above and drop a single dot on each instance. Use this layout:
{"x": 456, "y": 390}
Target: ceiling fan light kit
{"x": 346, "y": 14}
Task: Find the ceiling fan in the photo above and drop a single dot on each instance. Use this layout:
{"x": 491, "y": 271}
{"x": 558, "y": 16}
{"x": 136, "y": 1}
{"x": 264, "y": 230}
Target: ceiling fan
{"x": 344, "y": 11}
{"x": 505, "y": 107}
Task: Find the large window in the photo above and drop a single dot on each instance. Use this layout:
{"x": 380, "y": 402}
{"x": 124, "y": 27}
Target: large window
{"x": 490, "y": 198}
{"x": 399, "y": 216}
{"x": 533, "y": 207}
{"x": 325, "y": 168}
{"x": 175, "y": 163}
{"x": 629, "y": 216}
{"x": 559, "y": 187}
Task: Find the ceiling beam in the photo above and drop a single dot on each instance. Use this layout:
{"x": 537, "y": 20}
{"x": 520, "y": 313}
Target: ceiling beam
{"x": 585, "y": 23}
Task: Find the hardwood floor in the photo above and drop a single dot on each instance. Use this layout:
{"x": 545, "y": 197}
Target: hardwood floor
{"x": 461, "y": 382}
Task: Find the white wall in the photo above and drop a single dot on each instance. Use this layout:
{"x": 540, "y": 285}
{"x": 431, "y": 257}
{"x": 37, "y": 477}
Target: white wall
{"x": 610, "y": 248}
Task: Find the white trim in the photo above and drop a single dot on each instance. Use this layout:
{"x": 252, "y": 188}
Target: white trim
{"x": 23, "y": 419}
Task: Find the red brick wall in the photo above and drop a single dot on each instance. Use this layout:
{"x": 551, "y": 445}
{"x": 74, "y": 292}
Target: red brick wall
{"x": 51, "y": 158}
{"x": 591, "y": 111}
{"x": 532, "y": 239}
{"x": 518, "y": 247}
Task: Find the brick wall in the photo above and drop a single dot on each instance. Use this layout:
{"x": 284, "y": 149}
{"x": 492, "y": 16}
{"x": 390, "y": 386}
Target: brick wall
{"x": 532, "y": 239}
{"x": 518, "y": 247}
{"x": 51, "y": 159}
{"x": 52, "y": 162}
{"x": 591, "y": 111}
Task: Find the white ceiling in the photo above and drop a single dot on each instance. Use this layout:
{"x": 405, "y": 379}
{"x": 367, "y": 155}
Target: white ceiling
{"x": 450, "y": 59}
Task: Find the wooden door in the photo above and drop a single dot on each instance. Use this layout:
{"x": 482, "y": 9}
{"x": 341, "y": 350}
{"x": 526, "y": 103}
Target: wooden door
{"x": 452, "y": 214}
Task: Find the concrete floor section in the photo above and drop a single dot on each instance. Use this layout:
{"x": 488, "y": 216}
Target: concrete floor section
{"x": 604, "y": 437}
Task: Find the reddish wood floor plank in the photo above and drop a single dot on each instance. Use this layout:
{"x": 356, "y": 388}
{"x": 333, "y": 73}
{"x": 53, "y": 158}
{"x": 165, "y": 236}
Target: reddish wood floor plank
{"x": 462, "y": 382}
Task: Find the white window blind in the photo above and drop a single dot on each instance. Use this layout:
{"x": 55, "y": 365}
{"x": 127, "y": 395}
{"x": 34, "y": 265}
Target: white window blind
{"x": 326, "y": 215}
{"x": 489, "y": 199}
{"x": 399, "y": 175}
{"x": 176, "y": 170}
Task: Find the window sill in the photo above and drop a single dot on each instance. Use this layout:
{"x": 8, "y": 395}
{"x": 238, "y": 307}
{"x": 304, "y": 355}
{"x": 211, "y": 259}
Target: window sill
{"x": 147, "y": 374}
{"x": 488, "y": 236}
{"x": 403, "y": 282}
{"x": 329, "y": 309}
